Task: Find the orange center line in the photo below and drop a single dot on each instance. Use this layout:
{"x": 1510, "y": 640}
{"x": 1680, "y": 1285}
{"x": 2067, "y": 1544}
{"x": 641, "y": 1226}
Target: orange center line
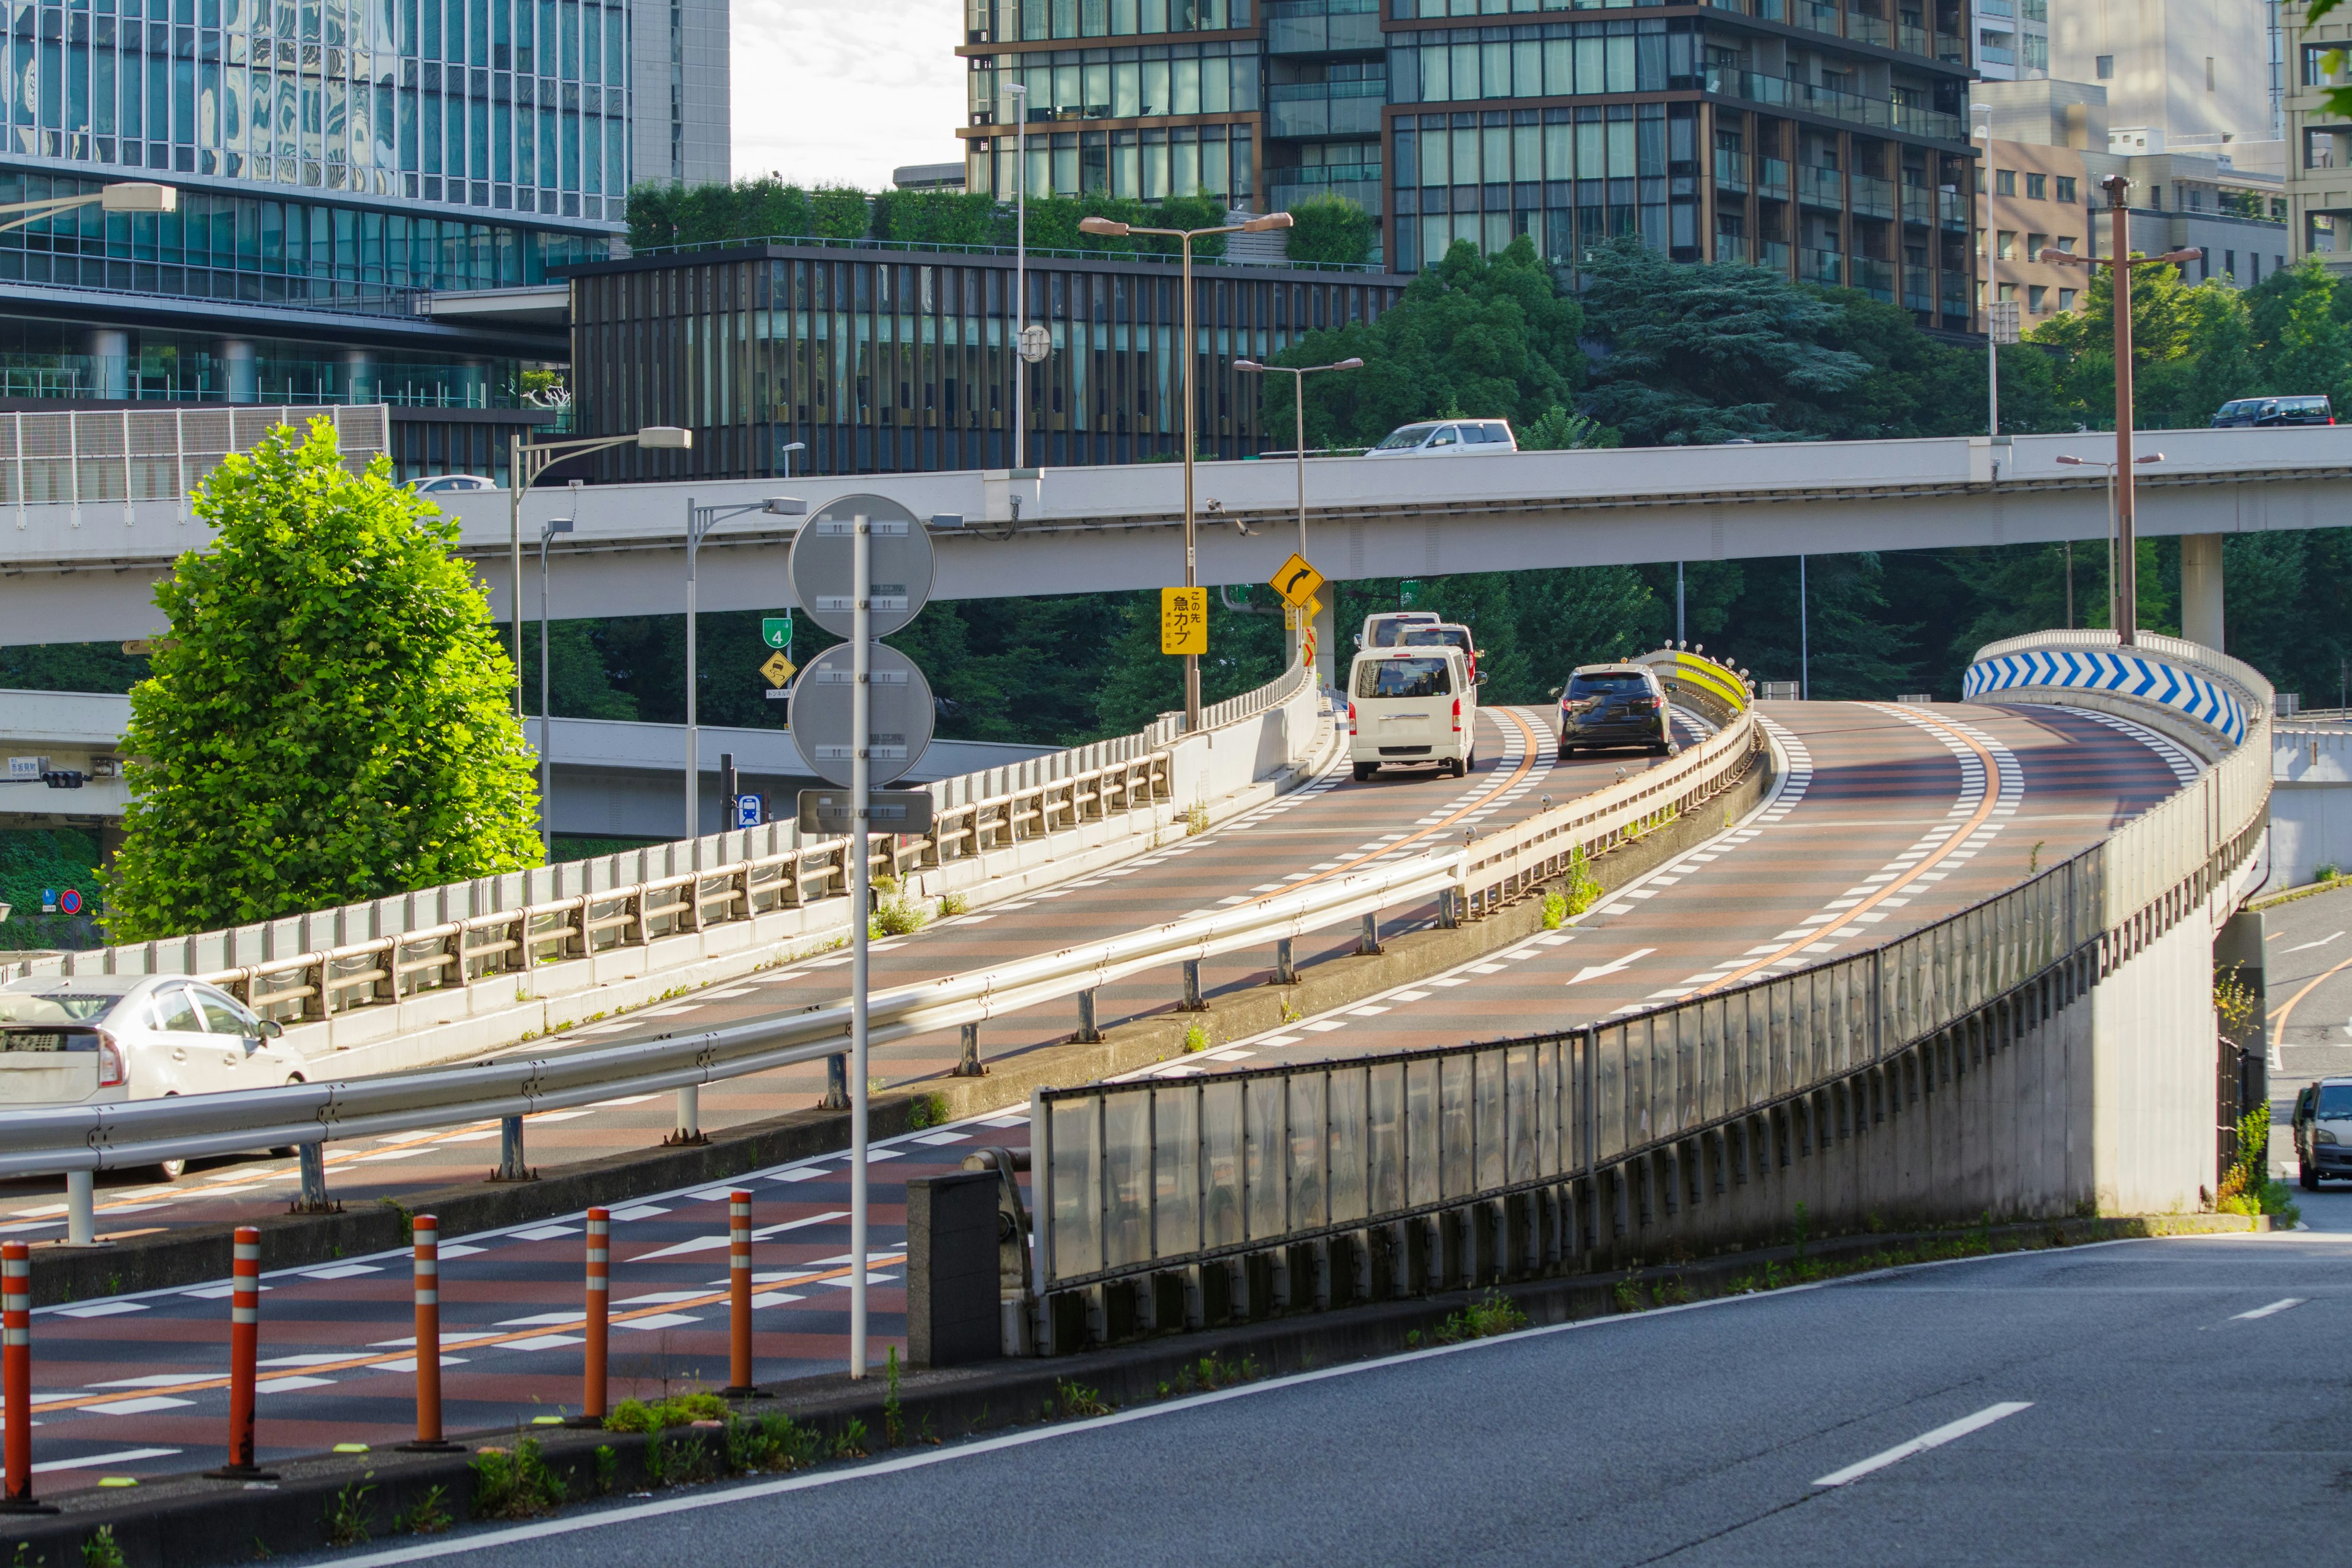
{"x": 461, "y": 1341}
{"x": 1983, "y": 814}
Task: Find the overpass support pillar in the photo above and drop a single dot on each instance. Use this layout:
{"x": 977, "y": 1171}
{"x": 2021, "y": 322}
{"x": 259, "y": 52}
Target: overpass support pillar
{"x": 2200, "y": 589}
{"x": 1327, "y": 639}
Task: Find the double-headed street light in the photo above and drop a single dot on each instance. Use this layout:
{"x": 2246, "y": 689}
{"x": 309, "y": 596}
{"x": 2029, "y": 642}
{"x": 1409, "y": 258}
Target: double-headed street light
{"x": 699, "y": 520}
{"x": 527, "y": 460}
{"x": 1298, "y": 375}
{"x": 1112, "y": 228}
{"x": 2114, "y": 576}
{"x": 2119, "y": 261}
{"x": 130, "y": 197}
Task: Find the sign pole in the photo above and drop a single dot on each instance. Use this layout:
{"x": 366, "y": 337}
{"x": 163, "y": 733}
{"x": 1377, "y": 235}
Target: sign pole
{"x": 860, "y": 874}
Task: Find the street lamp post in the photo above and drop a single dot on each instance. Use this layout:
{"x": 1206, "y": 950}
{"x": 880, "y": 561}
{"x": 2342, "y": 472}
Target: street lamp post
{"x": 1112, "y": 228}
{"x": 527, "y": 460}
{"x": 789, "y": 448}
{"x": 1019, "y": 92}
{"x": 2120, "y": 261}
{"x": 546, "y": 531}
{"x": 1298, "y": 375}
{"x": 2113, "y": 574}
{"x": 700, "y": 520}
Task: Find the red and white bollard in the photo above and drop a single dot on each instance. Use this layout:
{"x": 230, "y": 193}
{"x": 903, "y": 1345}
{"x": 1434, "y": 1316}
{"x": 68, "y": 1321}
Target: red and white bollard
{"x": 17, "y": 1376}
{"x": 738, "y": 1296}
{"x": 427, "y": 1233}
{"x": 598, "y": 1328}
{"x": 244, "y": 1353}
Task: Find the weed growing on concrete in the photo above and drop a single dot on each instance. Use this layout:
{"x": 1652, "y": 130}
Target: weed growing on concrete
{"x": 407, "y": 1217}
{"x": 679, "y": 1410}
{"x": 1669, "y": 1293}
{"x": 1077, "y": 1400}
{"x": 954, "y": 904}
{"x": 348, "y": 1512}
{"x": 895, "y": 914}
{"x": 1628, "y": 1299}
{"x": 1412, "y": 1339}
{"x": 876, "y": 1084}
{"x": 2033, "y": 856}
{"x": 1804, "y": 1228}
{"x": 893, "y": 1414}
{"x": 25, "y": 1558}
{"x": 517, "y": 1485}
{"x": 774, "y": 1442}
{"x": 1583, "y": 889}
{"x": 261, "y": 1552}
{"x": 2247, "y": 1187}
{"x": 1290, "y": 1014}
{"x": 1196, "y": 1038}
{"x": 1196, "y": 819}
{"x": 608, "y": 1468}
{"x": 927, "y": 1110}
{"x": 1209, "y": 1373}
{"x": 428, "y": 1515}
{"x": 851, "y": 1443}
{"x": 1555, "y": 911}
{"x": 1493, "y": 1313}
{"x": 102, "y": 1550}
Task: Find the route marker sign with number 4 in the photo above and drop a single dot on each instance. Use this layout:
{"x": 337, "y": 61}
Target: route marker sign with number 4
{"x": 776, "y": 631}
{"x": 1295, "y": 579}
{"x": 1183, "y": 620}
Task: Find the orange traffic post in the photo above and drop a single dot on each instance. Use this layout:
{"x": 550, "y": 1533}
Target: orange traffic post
{"x": 17, "y": 1376}
{"x": 427, "y": 1232}
{"x": 738, "y": 1296}
{"x": 243, "y": 1352}
{"x": 598, "y": 1327}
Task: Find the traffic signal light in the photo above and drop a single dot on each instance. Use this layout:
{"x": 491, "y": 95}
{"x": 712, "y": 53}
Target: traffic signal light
{"x": 63, "y": 778}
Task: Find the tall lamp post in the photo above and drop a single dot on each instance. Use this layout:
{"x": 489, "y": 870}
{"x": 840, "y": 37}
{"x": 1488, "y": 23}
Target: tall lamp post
{"x": 2114, "y": 575}
{"x": 700, "y": 520}
{"x": 2120, "y": 261}
{"x": 1298, "y": 375}
{"x": 546, "y": 531}
{"x": 1019, "y": 92}
{"x": 527, "y": 460}
{"x": 1114, "y": 229}
{"x": 789, "y": 448}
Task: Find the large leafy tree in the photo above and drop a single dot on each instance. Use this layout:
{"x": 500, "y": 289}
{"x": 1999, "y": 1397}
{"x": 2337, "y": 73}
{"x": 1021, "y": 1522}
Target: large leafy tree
{"x": 330, "y": 718}
{"x": 1488, "y": 336}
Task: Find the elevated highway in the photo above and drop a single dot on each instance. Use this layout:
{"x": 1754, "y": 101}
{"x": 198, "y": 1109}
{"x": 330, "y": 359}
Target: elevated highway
{"x": 87, "y": 574}
{"x": 1882, "y": 820}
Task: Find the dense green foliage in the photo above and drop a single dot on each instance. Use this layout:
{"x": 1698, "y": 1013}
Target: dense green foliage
{"x": 331, "y": 718}
{"x": 33, "y": 860}
{"x": 1330, "y": 228}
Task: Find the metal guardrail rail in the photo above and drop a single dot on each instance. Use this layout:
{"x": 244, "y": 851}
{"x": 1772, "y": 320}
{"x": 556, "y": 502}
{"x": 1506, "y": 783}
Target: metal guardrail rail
{"x": 81, "y": 1138}
{"x": 318, "y": 980}
{"x": 1138, "y": 1178}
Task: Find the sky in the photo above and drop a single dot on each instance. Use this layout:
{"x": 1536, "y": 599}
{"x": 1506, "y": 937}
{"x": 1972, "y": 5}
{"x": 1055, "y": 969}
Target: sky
{"x": 843, "y": 91}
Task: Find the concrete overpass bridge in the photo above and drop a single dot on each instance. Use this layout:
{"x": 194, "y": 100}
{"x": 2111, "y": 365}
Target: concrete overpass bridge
{"x": 84, "y": 572}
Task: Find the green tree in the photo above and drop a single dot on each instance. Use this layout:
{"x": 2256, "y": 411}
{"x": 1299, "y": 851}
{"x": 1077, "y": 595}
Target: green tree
{"x": 935, "y": 217}
{"x": 1330, "y": 228}
{"x": 2303, "y": 344}
{"x": 1493, "y": 335}
{"x": 1698, "y": 354}
{"x": 331, "y": 718}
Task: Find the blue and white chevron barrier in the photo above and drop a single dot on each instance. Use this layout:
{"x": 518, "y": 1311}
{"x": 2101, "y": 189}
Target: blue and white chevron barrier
{"x": 2116, "y": 670}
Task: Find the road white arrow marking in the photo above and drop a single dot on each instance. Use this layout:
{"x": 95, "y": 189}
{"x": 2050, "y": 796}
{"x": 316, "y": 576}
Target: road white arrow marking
{"x": 1925, "y": 1441}
{"x": 2323, "y": 941}
{"x": 1612, "y": 967}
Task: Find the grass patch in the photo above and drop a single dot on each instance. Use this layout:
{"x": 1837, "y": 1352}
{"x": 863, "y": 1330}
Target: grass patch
{"x": 517, "y": 1484}
{"x": 1196, "y": 1038}
{"x": 1493, "y": 1313}
{"x": 678, "y": 1410}
{"x": 348, "y": 1513}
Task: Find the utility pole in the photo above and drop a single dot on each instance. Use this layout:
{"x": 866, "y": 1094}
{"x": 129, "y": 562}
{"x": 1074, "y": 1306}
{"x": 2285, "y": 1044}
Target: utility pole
{"x": 2119, "y": 262}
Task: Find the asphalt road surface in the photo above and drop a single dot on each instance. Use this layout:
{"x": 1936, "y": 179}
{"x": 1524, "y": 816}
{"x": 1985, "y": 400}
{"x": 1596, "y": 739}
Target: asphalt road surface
{"x": 2307, "y": 986}
{"x": 2159, "y": 1401}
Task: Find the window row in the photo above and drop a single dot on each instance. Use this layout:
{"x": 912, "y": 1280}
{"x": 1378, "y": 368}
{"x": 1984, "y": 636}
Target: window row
{"x": 1199, "y": 79}
{"x": 245, "y": 234}
{"x": 1621, "y": 142}
{"x": 243, "y": 118}
{"x": 1150, "y": 165}
{"x": 547, "y": 37}
{"x": 1593, "y": 57}
{"x": 1006, "y": 21}
{"x": 2038, "y": 187}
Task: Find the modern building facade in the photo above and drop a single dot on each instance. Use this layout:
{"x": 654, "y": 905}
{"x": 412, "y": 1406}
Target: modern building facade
{"x": 878, "y": 359}
{"x": 2319, "y": 142}
{"x": 2050, "y": 146}
{"x": 336, "y": 164}
{"x": 2012, "y": 39}
{"x": 1826, "y": 138}
{"x": 2182, "y": 76}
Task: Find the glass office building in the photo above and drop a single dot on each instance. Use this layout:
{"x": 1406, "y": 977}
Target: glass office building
{"x": 878, "y": 359}
{"x": 1826, "y": 139}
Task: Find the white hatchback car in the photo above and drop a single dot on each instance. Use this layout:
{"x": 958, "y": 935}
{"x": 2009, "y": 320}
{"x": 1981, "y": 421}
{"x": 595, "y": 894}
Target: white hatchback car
{"x": 98, "y": 1039}
{"x": 1448, "y": 438}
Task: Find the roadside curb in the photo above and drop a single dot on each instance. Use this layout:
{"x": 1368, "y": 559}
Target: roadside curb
{"x": 199, "y": 1255}
{"x": 2308, "y": 890}
{"x": 190, "y": 1522}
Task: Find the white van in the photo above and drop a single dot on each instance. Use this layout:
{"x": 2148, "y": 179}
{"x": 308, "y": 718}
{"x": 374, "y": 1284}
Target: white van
{"x": 1409, "y": 706}
{"x": 1448, "y": 438}
{"x": 1386, "y": 629}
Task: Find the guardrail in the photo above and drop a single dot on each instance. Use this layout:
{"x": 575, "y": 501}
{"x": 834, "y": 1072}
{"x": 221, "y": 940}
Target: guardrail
{"x": 730, "y": 877}
{"x": 92, "y": 457}
{"x": 1134, "y": 1179}
{"x": 83, "y": 1138}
